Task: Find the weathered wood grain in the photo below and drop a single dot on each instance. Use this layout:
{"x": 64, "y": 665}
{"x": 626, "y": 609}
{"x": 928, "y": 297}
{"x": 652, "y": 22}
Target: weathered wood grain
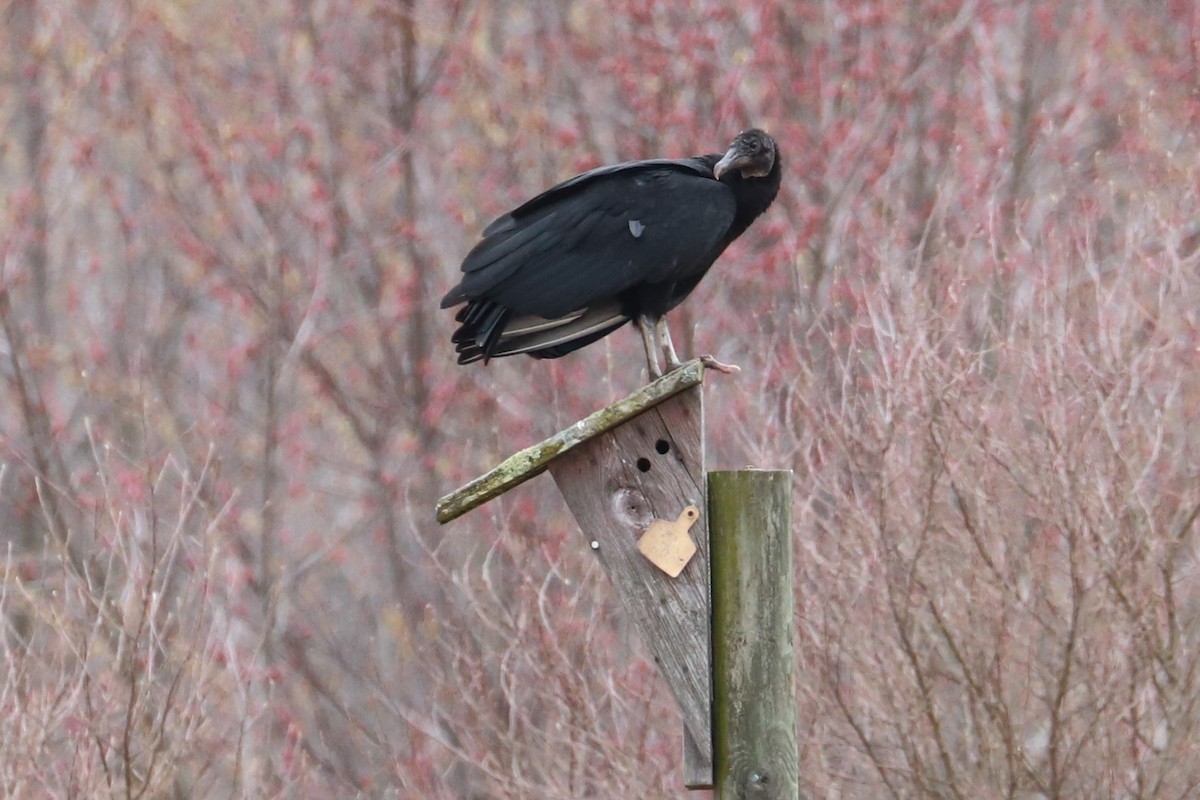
{"x": 754, "y": 678}
{"x": 652, "y": 467}
{"x": 532, "y": 461}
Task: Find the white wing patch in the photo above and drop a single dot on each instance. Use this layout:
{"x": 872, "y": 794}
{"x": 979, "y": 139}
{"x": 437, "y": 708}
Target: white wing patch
{"x": 536, "y": 333}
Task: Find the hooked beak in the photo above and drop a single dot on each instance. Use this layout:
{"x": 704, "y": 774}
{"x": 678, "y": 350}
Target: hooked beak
{"x": 731, "y": 160}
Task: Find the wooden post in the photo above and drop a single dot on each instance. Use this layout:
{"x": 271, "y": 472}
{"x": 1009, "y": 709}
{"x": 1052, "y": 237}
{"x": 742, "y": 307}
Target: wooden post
{"x": 754, "y": 680}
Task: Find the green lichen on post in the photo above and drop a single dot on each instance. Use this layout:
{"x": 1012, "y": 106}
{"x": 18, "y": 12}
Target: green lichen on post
{"x": 532, "y": 461}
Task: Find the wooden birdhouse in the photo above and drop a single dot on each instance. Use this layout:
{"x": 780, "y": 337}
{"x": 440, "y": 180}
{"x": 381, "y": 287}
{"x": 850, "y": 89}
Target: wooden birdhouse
{"x": 634, "y": 476}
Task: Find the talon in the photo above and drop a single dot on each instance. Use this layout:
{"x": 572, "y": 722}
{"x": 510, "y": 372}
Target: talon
{"x": 711, "y": 363}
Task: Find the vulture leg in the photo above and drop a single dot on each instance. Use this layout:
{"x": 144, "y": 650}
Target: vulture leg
{"x": 668, "y": 348}
{"x": 647, "y": 326}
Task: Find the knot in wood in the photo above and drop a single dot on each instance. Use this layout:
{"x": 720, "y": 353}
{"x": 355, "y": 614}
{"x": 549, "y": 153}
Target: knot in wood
{"x": 630, "y": 508}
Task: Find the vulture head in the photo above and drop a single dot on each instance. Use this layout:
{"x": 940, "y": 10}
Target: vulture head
{"x": 752, "y": 154}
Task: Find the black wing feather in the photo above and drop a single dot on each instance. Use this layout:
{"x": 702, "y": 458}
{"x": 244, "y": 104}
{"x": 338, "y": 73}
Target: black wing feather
{"x": 576, "y": 244}
{"x": 701, "y": 165}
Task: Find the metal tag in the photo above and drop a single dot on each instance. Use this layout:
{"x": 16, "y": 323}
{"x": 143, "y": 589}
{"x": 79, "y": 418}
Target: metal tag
{"x": 667, "y": 544}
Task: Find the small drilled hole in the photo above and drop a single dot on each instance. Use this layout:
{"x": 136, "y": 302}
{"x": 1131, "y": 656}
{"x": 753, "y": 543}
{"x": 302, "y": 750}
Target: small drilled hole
{"x": 662, "y": 446}
{"x": 643, "y": 464}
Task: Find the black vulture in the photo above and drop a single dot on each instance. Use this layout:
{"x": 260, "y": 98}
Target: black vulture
{"x": 624, "y": 242}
